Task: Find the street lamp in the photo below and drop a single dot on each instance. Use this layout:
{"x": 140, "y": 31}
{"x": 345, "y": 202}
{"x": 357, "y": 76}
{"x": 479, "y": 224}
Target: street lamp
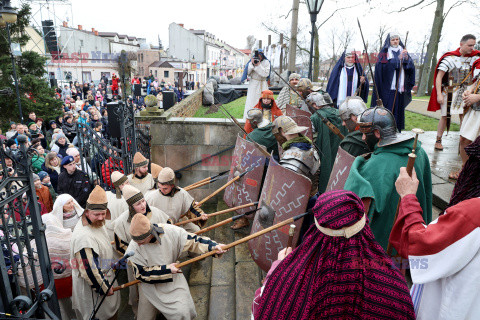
{"x": 8, "y": 15}
{"x": 314, "y": 7}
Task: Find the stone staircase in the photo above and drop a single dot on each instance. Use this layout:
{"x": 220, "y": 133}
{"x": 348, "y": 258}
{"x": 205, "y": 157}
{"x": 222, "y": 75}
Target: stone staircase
{"x": 223, "y": 288}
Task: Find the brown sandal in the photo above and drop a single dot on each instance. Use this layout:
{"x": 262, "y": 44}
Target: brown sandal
{"x": 454, "y": 175}
{"x": 438, "y": 144}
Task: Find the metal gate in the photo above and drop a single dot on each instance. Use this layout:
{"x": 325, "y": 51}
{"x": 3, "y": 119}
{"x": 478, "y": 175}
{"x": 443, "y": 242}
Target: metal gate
{"x": 100, "y": 156}
{"x": 24, "y": 294}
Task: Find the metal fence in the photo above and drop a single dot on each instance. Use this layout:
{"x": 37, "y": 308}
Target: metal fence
{"x": 27, "y": 287}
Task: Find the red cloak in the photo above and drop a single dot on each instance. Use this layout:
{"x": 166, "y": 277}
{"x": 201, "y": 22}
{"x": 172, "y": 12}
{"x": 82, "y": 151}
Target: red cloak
{"x": 433, "y": 104}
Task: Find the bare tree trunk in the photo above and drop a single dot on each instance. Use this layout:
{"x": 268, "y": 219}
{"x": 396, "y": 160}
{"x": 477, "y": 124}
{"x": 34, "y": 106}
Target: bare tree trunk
{"x": 293, "y": 38}
{"x": 428, "y": 67}
{"x": 316, "y": 58}
{"x": 420, "y": 62}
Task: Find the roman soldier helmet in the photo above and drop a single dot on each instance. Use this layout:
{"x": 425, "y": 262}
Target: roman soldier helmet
{"x": 351, "y": 106}
{"x": 383, "y": 120}
{"x": 317, "y": 98}
{"x": 328, "y": 99}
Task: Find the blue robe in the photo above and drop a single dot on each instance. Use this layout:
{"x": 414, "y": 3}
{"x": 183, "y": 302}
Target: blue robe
{"x": 384, "y": 71}
{"x": 334, "y": 81}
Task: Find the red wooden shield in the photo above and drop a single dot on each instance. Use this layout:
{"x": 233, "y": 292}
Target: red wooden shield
{"x": 302, "y": 118}
{"x": 247, "y": 189}
{"x": 341, "y": 169}
{"x": 287, "y": 193}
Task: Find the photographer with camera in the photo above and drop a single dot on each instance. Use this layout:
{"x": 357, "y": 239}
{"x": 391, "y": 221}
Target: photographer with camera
{"x": 258, "y": 70}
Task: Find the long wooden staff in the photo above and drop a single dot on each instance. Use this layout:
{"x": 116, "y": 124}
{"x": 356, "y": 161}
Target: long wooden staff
{"x": 398, "y": 76}
{"x": 204, "y": 181}
{"x": 226, "y": 247}
{"x": 226, "y": 221}
{"x": 181, "y": 223}
{"x": 411, "y": 162}
{"x": 224, "y": 186}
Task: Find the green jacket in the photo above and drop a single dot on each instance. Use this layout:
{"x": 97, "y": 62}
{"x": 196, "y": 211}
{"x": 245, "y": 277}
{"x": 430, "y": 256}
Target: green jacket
{"x": 265, "y": 137}
{"x": 354, "y": 144}
{"x": 37, "y": 162}
{"x": 375, "y": 178}
{"x": 327, "y": 142}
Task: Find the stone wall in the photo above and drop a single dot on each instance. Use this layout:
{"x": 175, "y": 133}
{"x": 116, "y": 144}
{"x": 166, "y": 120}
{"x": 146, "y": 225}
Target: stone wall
{"x": 187, "y": 107}
{"x": 178, "y": 142}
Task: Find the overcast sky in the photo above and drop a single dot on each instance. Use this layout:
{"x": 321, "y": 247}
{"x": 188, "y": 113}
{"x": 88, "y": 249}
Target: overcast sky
{"x": 233, "y": 21}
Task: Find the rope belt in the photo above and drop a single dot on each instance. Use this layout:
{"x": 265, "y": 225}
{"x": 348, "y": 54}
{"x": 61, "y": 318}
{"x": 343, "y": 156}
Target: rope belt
{"x": 346, "y": 232}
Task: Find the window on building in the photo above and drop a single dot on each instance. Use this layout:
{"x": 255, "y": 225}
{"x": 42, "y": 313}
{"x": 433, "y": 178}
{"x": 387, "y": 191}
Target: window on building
{"x": 166, "y": 74}
{"x": 67, "y": 75}
{"x": 81, "y": 43}
{"x": 142, "y": 57}
{"x": 86, "y": 76}
{"x": 156, "y": 75}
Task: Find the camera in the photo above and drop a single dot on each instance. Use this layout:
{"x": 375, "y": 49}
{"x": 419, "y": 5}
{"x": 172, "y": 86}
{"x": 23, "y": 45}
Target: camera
{"x": 256, "y": 57}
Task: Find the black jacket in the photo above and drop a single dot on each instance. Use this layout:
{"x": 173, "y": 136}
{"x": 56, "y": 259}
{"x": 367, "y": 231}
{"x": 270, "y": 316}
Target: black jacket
{"x": 77, "y": 185}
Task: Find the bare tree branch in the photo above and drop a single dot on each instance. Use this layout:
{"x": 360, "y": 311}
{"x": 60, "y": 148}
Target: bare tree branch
{"x": 456, "y": 4}
{"x": 333, "y": 13}
{"x": 286, "y": 16}
{"x": 406, "y": 8}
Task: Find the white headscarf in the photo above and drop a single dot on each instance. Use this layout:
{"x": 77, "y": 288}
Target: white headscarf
{"x": 57, "y": 211}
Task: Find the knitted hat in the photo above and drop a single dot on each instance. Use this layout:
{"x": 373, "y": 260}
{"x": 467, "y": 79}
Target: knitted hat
{"x": 166, "y": 175}
{"x": 67, "y": 160}
{"x": 294, "y": 76}
{"x": 59, "y": 135}
{"x": 35, "y": 177}
{"x": 30, "y": 123}
{"x": 118, "y": 179}
{"x": 42, "y": 175}
{"x": 139, "y": 160}
{"x": 72, "y": 152}
{"x": 267, "y": 94}
{"x": 155, "y": 169}
{"x": 140, "y": 227}
{"x": 131, "y": 195}
{"x": 97, "y": 200}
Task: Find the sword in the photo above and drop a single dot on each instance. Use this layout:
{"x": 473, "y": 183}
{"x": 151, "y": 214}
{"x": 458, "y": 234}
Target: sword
{"x": 411, "y": 162}
{"x": 379, "y": 100}
{"x": 330, "y": 125}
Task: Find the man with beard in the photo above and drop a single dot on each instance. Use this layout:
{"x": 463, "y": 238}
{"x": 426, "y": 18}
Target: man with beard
{"x": 116, "y": 202}
{"x": 349, "y": 111}
{"x": 347, "y": 79}
{"x": 269, "y": 108}
{"x": 136, "y": 204}
{"x": 327, "y": 142}
{"x": 175, "y": 201}
{"x": 287, "y": 95}
{"x": 305, "y": 88}
{"x": 91, "y": 250}
{"x": 163, "y": 287}
{"x": 395, "y": 78}
{"x": 373, "y": 180}
{"x": 73, "y": 181}
{"x": 140, "y": 178}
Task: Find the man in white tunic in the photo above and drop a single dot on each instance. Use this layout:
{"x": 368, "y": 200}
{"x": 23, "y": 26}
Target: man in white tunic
{"x": 175, "y": 201}
{"x": 92, "y": 252}
{"x": 444, "y": 256}
{"x": 136, "y": 204}
{"x": 140, "y": 178}
{"x": 258, "y": 70}
{"x": 116, "y": 202}
{"x": 163, "y": 287}
{"x": 287, "y": 95}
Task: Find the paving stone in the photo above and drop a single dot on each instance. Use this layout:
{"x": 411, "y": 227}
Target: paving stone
{"x": 201, "y": 296}
{"x": 246, "y": 282}
{"x": 437, "y": 180}
{"x": 242, "y": 253}
{"x": 201, "y": 272}
{"x": 442, "y": 194}
{"x": 223, "y": 269}
{"x": 222, "y": 303}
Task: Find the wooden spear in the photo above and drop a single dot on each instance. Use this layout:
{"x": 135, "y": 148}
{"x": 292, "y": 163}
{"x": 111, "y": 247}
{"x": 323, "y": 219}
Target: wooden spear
{"x": 226, "y": 247}
{"x": 181, "y": 223}
{"x": 226, "y": 221}
{"x": 205, "y": 181}
{"x": 411, "y": 162}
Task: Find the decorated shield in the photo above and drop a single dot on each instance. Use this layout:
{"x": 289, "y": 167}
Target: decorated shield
{"x": 247, "y": 189}
{"x": 341, "y": 169}
{"x": 287, "y": 193}
{"x": 302, "y": 118}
